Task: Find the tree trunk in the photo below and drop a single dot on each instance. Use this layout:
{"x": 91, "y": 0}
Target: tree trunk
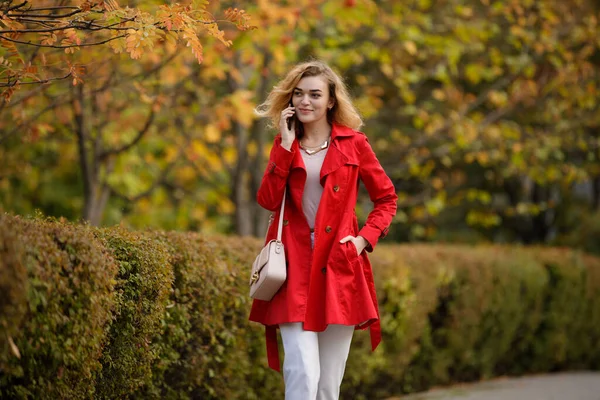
{"x": 540, "y": 226}
{"x": 259, "y": 133}
{"x": 596, "y": 193}
{"x": 103, "y": 193}
{"x": 513, "y": 187}
{"x": 95, "y": 193}
{"x": 243, "y": 210}
{"x": 250, "y": 218}
{"x": 87, "y": 165}
{"x": 260, "y": 215}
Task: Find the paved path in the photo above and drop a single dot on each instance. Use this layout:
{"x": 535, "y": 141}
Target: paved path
{"x": 560, "y": 386}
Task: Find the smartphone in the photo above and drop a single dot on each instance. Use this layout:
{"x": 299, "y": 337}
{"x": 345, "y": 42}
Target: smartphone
{"x": 289, "y": 120}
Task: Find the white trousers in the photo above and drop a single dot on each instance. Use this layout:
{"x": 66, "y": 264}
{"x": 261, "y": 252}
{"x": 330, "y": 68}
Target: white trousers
{"x": 314, "y": 362}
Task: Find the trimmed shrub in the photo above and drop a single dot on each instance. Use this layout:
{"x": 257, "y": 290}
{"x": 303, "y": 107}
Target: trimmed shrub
{"x": 110, "y": 313}
{"x": 206, "y": 345}
{"x": 69, "y": 301}
{"x": 584, "y": 231}
{"x": 143, "y": 284}
{"x": 565, "y": 336}
{"x": 460, "y": 313}
{"x": 13, "y": 296}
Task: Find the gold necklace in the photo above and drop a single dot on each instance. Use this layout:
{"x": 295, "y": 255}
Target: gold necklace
{"x": 313, "y": 150}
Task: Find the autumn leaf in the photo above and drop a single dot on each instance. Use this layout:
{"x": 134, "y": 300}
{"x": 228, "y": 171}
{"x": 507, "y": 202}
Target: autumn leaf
{"x": 194, "y": 43}
{"x": 48, "y": 38}
{"x": 110, "y": 5}
{"x": 14, "y": 348}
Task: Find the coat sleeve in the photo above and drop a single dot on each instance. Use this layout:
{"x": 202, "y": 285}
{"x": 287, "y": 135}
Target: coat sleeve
{"x": 270, "y": 192}
{"x": 382, "y": 193}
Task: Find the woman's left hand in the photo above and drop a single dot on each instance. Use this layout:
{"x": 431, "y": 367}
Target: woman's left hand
{"x": 359, "y": 242}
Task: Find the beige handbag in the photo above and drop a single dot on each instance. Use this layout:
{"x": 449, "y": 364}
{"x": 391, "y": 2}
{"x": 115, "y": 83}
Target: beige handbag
{"x": 269, "y": 269}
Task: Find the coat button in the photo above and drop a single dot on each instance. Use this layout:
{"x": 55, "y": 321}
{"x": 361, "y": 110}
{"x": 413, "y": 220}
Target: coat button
{"x": 323, "y": 270}
{"x": 336, "y": 188}
{"x": 285, "y": 222}
{"x": 327, "y": 229}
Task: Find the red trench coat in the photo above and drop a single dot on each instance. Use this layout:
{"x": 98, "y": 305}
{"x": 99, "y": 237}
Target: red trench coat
{"x": 329, "y": 284}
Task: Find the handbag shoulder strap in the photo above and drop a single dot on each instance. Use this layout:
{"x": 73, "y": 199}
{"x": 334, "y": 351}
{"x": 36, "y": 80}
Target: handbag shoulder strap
{"x": 280, "y": 226}
{"x": 280, "y": 223}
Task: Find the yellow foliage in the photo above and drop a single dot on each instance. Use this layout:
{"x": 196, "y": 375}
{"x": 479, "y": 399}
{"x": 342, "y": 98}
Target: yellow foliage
{"x": 214, "y": 161}
{"x": 483, "y": 158}
{"x": 434, "y": 123}
{"x": 243, "y": 107}
{"x": 143, "y": 205}
{"x": 493, "y": 132}
{"x": 437, "y": 183}
{"x": 170, "y": 154}
{"x": 230, "y": 156}
{"x": 484, "y": 219}
{"x": 225, "y": 206}
{"x": 387, "y": 70}
{"x": 522, "y": 208}
{"x": 498, "y": 99}
{"x": 199, "y": 211}
{"x": 438, "y": 94}
{"x": 410, "y": 47}
{"x": 366, "y": 106}
{"x": 211, "y": 133}
{"x": 409, "y": 96}
{"x": 186, "y": 174}
{"x": 252, "y": 149}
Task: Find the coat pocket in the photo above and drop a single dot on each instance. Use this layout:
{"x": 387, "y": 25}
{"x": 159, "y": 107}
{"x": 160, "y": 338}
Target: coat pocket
{"x": 351, "y": 251}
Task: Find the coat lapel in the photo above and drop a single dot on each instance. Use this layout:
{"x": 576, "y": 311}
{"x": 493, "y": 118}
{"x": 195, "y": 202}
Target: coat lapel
{"x": 335, "y": 157}
{"x": 297, "y": 161}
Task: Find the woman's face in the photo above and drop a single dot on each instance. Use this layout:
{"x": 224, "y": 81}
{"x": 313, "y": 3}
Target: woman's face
{"x": 311, "y": 99}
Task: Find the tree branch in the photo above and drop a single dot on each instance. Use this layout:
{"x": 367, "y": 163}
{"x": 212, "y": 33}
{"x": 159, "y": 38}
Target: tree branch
{"x": 56, "y": 16}
{"x": 215, "y": 185}
{"x": 105, "y": 86}
{"x": 17, "y": 6}
{"x": 36, "y": 82}
{"x": 63, "y": 47}
{"x": 85, "y": 26}
{"x": 43, "y": 8}
{"x": 160, "y": 181}
{"x": 139, "y": 136}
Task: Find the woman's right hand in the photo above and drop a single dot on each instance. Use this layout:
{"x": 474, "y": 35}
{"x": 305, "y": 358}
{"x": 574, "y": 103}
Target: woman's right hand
{"x": 287, "y": 135}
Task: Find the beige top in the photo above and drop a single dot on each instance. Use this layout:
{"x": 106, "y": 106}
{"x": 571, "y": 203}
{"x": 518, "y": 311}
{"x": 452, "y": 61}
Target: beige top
{"x": 312, "y": 188}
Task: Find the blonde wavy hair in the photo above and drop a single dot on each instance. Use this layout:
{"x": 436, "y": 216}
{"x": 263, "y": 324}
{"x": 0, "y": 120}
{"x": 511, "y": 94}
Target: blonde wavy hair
{"x": 343, "y": 111}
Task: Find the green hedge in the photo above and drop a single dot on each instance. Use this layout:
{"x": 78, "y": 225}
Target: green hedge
{"x": 68, "y": 293}
{"x": 111, "y": 313}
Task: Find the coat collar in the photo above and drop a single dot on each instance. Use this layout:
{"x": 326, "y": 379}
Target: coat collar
{"x": 335, "y": 156}
{"x": 338, "y": 131}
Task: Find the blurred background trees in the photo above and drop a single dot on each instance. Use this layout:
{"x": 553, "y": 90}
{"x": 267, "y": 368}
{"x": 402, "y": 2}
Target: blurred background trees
{"x": 484, "y": 113}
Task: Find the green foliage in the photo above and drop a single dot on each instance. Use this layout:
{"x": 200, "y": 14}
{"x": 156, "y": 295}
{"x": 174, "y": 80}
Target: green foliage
{"x": 483, "y": 113}
{"x": 584, "y": 233}
{"x": 13, "y": 294}
{"x": 143, "y": 284}
{"x": 110, "y": 313}
{"x": 69, "y": 300}
{"x": 199, "y": 337}
{"x": 569, "y": 312}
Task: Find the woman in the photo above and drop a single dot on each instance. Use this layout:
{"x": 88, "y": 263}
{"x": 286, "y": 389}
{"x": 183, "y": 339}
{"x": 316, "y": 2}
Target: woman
{"x": 329, "y": 292}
